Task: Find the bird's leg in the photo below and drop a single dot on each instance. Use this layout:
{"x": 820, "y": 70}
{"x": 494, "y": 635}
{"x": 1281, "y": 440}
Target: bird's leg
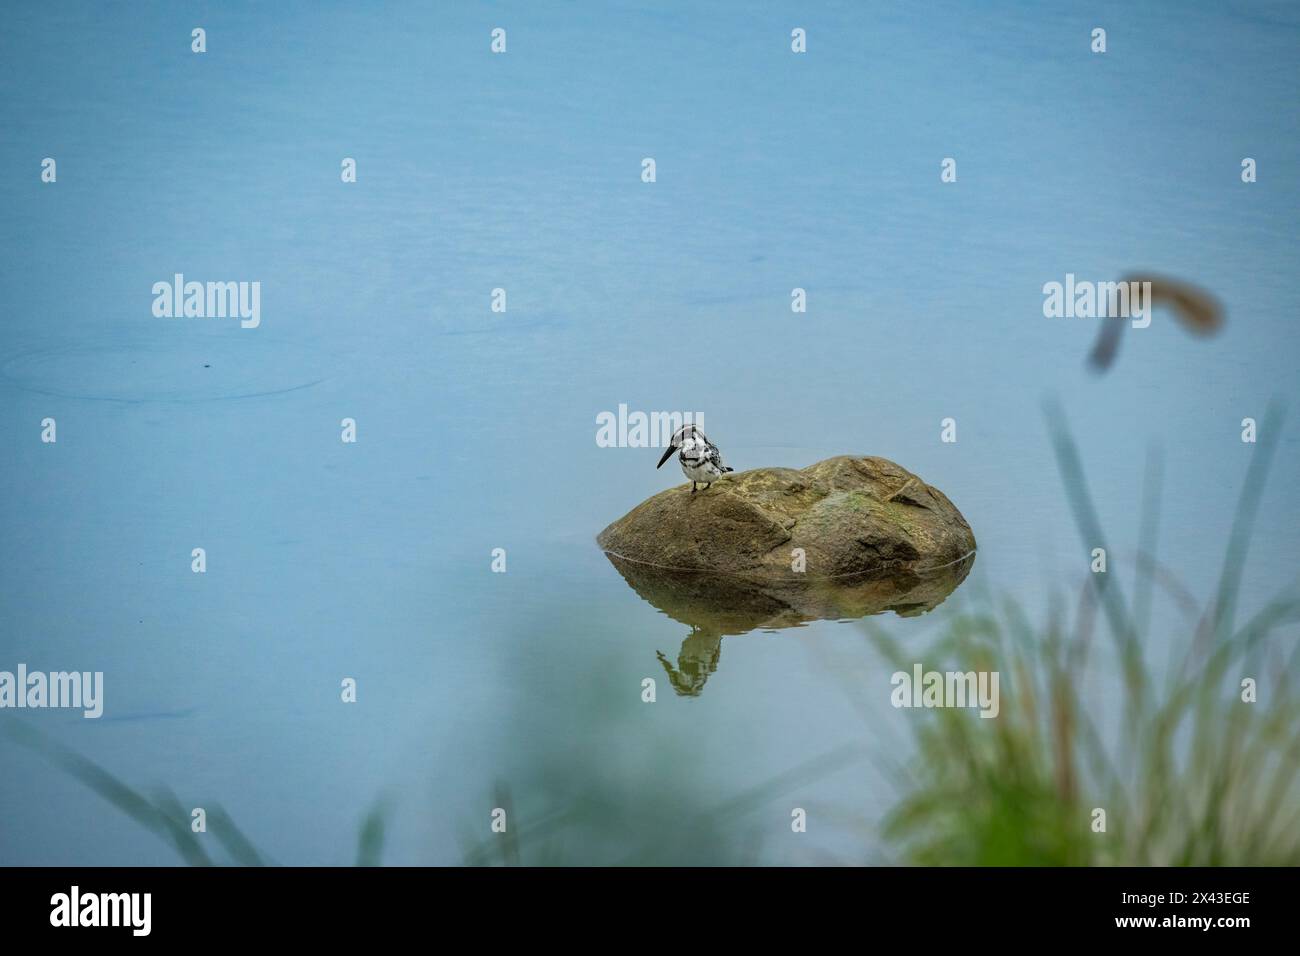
{"x": 692, "y": 487}
{"x": 708, "y": 486}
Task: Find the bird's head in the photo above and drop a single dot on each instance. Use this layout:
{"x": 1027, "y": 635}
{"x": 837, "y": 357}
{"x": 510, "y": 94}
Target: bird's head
{"x": 680, "y": 437}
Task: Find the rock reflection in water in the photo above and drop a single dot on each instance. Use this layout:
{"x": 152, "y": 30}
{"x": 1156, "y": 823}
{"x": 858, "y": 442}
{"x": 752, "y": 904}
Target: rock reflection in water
{"x": 714, "y": 606}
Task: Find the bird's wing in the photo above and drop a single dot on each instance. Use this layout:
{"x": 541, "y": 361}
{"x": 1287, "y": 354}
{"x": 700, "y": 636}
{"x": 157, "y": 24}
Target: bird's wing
{"x": 1198, "y": 311}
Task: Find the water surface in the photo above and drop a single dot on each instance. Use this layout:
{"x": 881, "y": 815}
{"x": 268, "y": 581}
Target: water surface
{"x": 477, "y": 430}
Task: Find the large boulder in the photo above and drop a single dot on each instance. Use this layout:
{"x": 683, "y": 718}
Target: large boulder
{"x": 850, "y": 515}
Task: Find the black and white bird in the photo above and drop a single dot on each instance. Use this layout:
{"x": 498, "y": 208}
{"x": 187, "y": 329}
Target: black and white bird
{"x": 700, "y": 458}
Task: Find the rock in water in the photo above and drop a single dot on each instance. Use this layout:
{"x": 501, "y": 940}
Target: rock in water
{"x": 850, "y": 515}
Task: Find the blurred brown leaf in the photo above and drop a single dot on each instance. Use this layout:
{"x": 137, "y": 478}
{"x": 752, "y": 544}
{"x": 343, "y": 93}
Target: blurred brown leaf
{"x": 1198, "y": 311}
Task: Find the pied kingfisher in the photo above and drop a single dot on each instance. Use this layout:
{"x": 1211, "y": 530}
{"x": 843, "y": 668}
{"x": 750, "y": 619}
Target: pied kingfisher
{"x": 700, "y": 458}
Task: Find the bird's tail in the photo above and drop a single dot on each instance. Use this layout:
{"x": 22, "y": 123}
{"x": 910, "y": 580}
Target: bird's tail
{"x": 725, "y": 469}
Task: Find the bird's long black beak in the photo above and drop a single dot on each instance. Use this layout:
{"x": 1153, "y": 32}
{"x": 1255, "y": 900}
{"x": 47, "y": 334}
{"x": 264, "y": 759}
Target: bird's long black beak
{"x": 668, "y": 453}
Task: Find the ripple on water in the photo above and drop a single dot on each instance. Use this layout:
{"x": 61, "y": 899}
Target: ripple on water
{"x": 207, "y": 369}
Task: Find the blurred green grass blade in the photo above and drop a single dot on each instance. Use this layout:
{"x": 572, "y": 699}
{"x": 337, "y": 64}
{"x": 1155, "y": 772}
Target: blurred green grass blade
{"x": 1243, "y": 522}
{"x": 370, "y": 840}
{"x": 125, "y": 798}
{"x": 1148, "y": 537}
{"x": 240, "y": 848}
{"x": 1090, "y": 531}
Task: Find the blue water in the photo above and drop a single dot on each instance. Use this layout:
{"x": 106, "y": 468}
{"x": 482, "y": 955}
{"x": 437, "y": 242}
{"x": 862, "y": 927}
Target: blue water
{"x": 476, "y": 430}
